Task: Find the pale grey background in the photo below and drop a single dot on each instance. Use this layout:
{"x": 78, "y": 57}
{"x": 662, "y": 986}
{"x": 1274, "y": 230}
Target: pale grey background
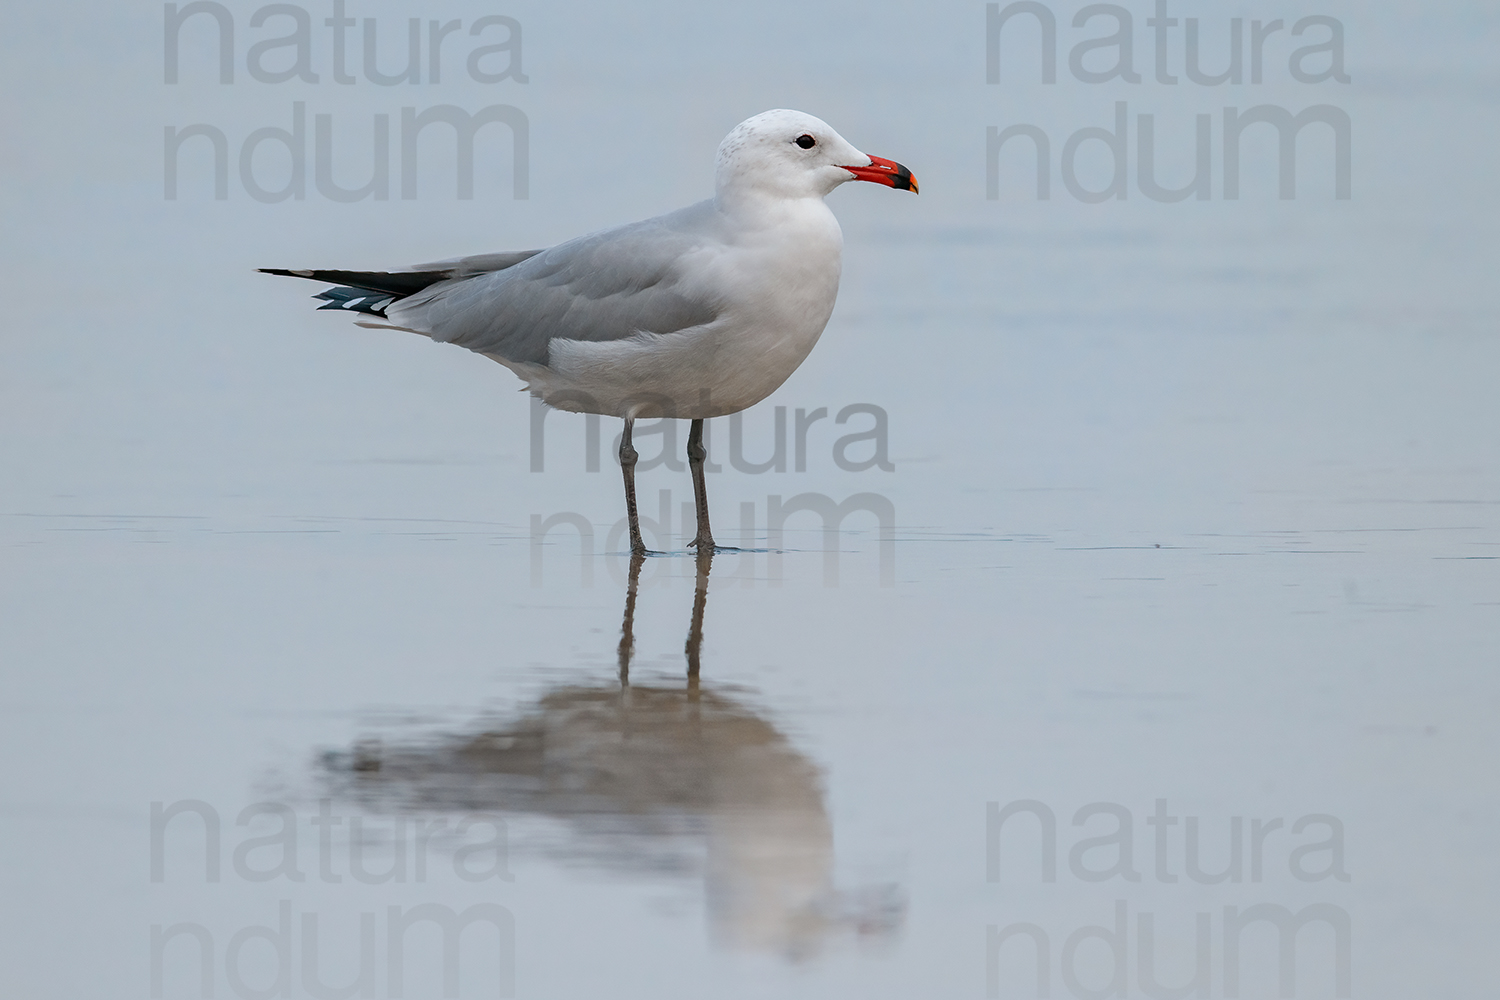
{"x": 238, "y": 533}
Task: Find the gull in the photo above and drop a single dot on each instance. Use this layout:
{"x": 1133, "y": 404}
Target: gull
{"x": 691, "y": 315}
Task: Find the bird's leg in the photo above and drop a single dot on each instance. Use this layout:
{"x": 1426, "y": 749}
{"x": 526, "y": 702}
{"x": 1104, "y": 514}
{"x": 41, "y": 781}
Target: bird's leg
{"x": 628, "y": 458}
{"x": 704, "y": 541}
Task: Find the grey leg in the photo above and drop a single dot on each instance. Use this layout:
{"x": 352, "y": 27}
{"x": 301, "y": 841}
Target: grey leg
{"x": 628, "y": 458}
{"x": 704, "y": 542}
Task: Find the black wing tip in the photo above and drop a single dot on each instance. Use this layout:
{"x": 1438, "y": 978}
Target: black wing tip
{"x": 392, "y": 283}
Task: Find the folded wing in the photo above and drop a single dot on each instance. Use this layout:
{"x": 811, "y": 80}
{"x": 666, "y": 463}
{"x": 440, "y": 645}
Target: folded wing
{"x": 611, "y": 285}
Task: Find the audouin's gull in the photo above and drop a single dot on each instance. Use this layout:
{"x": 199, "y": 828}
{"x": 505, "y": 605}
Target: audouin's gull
{"x": 693, "y": 314}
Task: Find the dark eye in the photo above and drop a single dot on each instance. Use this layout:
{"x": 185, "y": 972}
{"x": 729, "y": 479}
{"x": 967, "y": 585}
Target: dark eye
{"x": 806, "y": 141}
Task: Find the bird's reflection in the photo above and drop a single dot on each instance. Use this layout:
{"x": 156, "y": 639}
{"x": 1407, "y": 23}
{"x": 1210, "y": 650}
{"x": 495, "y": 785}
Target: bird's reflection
{"x": 651, "y": 778}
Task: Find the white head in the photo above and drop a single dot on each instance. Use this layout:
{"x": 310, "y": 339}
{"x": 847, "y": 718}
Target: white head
{"x": 788, "y": 154}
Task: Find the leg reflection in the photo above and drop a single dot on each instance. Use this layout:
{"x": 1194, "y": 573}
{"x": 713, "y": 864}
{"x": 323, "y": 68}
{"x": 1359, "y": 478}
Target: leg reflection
{"x": 627, "y": 629}
{"x": 705, "y": 561}
{"x": 700, "y": 601}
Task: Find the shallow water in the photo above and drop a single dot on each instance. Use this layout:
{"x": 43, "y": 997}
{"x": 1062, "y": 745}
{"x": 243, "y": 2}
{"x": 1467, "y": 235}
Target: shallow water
{"x": 1188, "y": 544}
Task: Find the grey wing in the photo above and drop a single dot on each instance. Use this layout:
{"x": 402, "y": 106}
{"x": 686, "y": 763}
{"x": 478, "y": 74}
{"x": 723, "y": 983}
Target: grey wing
{"x": 606, "y": 286}
{"x": 468, "y": 267}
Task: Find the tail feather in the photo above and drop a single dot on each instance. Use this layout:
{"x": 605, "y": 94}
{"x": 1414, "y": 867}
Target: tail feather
{"x": 373, "y": 291}
{"x": 355, "y": 300}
